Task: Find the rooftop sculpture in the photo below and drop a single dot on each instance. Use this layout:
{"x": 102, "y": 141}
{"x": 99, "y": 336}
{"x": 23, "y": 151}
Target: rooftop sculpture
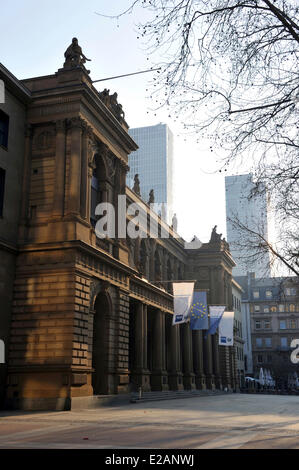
{"x": 74, "y": 56}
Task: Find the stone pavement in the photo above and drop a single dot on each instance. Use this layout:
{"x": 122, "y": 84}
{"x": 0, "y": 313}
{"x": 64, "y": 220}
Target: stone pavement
{"x": 234, "y": 421}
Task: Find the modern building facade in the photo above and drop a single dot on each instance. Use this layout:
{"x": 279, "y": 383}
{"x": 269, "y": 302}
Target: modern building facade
{"x": 274, "y": 316}
{"x": 253, "y": 212}
{"x": 92, "y": 316}
{"x": 153, "y": 162}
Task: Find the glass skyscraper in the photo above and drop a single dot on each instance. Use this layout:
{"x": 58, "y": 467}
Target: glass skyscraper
{"x": 153, "y": 162}
{"x": 253, "y": 212}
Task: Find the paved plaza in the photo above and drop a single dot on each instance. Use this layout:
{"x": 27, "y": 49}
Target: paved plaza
{"x": 233, "y": 421}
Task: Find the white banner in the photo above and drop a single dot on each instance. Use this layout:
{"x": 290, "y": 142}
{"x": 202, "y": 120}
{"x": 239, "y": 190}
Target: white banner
{"x": 183, "y": 293}
{"x": 226, "y": 329}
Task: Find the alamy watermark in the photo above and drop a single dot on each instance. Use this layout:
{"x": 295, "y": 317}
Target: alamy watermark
{"x": 2, "y": 92}
{"x": 134, "y": 221}
{"x": 295, "y": 353}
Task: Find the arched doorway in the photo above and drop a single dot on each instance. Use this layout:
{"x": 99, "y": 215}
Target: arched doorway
{"x": 102, "y": 310}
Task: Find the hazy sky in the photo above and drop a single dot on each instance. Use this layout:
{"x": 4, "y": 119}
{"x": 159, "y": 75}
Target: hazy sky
{"x": 33, "y": 37}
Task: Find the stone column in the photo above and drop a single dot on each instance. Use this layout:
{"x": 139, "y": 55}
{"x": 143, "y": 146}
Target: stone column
{"x": 140, "y": 373}
{"x": 75, "y": 167}
{"x": 197, "y": 340}
{"x": 216, "y": 361}
{"x": 58, "y": 203}
{"x": 208, "y": 362}
{"x": 188, "y": 374}
{"x": 159, "y": 374}
{"x": 175, "y": 376}
{"x": 85, "y": 181}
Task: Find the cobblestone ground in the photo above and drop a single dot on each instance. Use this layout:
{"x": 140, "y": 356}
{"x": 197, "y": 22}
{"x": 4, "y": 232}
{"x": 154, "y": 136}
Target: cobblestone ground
{"x": 235, "y": 421}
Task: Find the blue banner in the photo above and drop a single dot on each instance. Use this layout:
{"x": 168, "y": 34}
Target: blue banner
{"x": 199, "y": 312}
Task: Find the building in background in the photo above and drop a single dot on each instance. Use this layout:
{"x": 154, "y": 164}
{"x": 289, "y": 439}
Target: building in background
{"x": 238, "y": 332}
{"x": 153, "y": 162}
{"x": 273, "y": 304}
{"x": 253, "y": 212}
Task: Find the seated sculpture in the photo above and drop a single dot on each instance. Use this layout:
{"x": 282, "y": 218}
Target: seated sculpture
{"x": 74, "y": 56}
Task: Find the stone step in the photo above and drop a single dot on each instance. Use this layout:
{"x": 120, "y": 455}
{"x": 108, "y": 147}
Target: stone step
{"x": 173, "y": 395}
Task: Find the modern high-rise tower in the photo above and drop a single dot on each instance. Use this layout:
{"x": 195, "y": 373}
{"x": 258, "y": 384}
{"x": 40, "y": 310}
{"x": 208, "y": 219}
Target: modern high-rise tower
{"x": 153, "y": 162}
{"x": 252, "y": 212}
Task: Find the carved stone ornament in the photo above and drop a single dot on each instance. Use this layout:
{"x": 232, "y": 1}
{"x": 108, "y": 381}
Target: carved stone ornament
{"x": 44, "y": 140}
{"x": 60, "y": 125}
{"x": 112, "y": 104}
{"x": 76, "y": 122}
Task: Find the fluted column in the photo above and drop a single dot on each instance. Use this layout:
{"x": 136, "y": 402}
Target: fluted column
{"x": 188, "y": 375}
{"x": 75, "y": 167}
{"x": 200, "y": 380}
{"x": 140, "y": 373}
{"x": 216, "y": 361}
{"x": 208, "y": 362}
{"x": 85, "y": 178}
{"x": 58, "y": 203}
{"x": 159, "y": 374}
{"x": 175, "y": 376}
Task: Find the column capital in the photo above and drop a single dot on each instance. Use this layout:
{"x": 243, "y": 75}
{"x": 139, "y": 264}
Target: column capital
{"x": 76, "y": 123}
{"x": 60, "y": 125}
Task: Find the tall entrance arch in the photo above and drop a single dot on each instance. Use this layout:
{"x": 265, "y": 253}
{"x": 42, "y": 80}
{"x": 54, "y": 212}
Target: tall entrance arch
{"x": 102, "y": 309}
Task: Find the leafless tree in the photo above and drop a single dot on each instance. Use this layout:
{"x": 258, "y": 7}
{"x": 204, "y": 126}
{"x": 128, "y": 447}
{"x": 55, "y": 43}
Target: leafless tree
{"x": 229, "y": 70}
{"x": 255, "y": 248}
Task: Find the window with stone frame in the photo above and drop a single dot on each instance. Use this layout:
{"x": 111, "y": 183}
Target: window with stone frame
{"x": 266, "y": 309}
{"x": 260, "y": 358}
{"x": 256, "y": 294}
{"x": 292, "y": 323}
{"x": 258, "y": 324}
{"x": 268, "y": 342}
{"x": 269, "y": 294}
{"x": 258, "y": 342}
{"x": 282, "y": 324}
{"x": 4, "y": 126}
{"x": 267, "y": 324}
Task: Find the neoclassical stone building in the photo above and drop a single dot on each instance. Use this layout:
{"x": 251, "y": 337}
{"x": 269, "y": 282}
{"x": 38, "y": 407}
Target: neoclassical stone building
{"x": 93, "y": 316}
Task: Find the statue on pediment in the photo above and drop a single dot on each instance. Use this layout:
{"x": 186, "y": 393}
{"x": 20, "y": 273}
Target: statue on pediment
{"x": 151, "y": 197}
{"x": 112, "y": 104}
{"x": 136, "y": 187}
{"x": 74, "y": 56}
{"x": 215, "y": 237}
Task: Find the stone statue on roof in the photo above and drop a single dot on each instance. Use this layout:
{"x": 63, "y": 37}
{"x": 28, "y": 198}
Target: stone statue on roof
{"x": 151, "y": 197}
{"x": 215, "y": 237}
{"x": 136, "y": 187}
{"x": 74, "y": 56}
{"x": 175, "y": 223}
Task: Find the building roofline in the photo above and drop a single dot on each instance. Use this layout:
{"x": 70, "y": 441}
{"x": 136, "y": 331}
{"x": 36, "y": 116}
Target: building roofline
{"x": 14, "y": 85}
